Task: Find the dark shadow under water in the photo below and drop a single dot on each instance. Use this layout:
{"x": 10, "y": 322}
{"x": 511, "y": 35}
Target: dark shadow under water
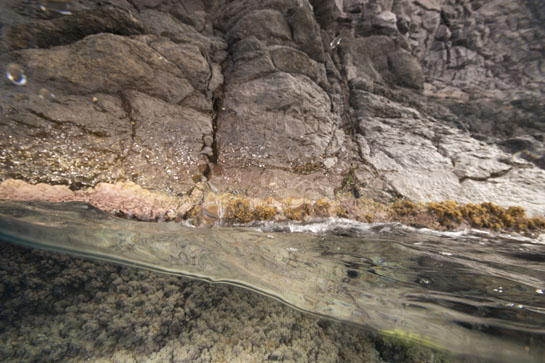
{"x": 469, "y": 293}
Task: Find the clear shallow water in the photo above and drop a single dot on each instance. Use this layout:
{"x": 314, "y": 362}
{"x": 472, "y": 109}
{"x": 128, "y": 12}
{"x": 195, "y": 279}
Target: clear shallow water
{"x": 470, "y": 293}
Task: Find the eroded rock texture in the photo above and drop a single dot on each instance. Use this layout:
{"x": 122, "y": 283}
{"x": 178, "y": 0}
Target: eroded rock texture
{"x": 423, "y": 99}
{"x": 124, "y": 107}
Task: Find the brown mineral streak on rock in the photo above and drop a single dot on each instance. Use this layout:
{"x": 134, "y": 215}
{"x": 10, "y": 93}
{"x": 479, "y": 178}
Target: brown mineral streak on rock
{"x": 422, "y": 100}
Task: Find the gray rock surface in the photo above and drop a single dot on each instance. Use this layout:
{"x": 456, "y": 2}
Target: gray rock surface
{"x": 422, "y": 99}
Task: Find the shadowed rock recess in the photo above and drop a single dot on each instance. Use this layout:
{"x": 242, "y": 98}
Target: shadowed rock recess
{"x": 425, "y": 100}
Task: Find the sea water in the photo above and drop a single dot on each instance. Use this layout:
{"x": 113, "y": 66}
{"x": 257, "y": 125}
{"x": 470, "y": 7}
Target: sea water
{"x": 470, "y": 293}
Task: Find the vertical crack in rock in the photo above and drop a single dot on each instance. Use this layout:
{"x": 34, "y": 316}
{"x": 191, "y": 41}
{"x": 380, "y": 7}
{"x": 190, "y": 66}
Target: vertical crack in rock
{"x": 126, "y": 105}
{"x": 218, "y": 108}
{"x": 349, "y": 126}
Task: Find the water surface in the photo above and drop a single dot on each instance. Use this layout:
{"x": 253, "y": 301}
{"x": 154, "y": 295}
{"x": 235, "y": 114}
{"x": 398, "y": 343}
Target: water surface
{"x": 471, "y": 293}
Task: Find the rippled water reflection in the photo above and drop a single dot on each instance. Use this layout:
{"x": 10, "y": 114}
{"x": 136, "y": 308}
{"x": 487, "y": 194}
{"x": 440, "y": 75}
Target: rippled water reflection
{"x": 470, "y": 293}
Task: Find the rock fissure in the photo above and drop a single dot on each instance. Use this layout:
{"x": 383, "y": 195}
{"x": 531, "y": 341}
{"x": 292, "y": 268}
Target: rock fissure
{"x": 218, "y": 108}
{"x": 494, "y": 175}
{"x": 126, "y": 105}
{"x": 66, "y": 123}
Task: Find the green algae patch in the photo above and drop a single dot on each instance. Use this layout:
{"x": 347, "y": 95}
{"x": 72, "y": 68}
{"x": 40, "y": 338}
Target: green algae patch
{"x": 410, "y": 339}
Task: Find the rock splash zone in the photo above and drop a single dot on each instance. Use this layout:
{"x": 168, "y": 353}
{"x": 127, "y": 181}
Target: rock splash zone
{"x": 157, "y": 109}
{"x": 204, "y": 208}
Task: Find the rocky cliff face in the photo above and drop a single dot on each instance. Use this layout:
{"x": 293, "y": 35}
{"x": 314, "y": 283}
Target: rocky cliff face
{"x": 423, "y": 99}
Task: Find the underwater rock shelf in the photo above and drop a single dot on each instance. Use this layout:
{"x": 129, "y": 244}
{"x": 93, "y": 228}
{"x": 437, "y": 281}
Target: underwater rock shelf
{"x": 81, "y": 310}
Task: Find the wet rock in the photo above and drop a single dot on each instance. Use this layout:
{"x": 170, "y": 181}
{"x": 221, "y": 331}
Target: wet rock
{"x": 207, "y": 151}
{"x": 381, "y": 58}
{"x": 405, "y": 69}
{"x": 76, "y": 141}
{"x": 272, "y": 25}
{"x": 68, "y": 29}
{"x": 262, "y": 126}
{"x": 124, "y": 199}
{"x": 443, "y": 33}
{"x": 287, "y": 59}
{"x": 447, "y": 165}
{"x": 429, "y": 4}
{"x": 188, "y": 58}
{"x": 208, "y": 140}
{"x": 306, "y": 32}
{"x": 273, "y": 104}
{"x": 164, "y": 25}
{"x": 188, "y": 11}
{"x": 166, "y": 143}
{"x": 121, "y": 63}
{"x": 410, "y": 100}
{"x": 251, "y": 66}
{"x": 386, "y": 22}
{"x": 109, "y": 91}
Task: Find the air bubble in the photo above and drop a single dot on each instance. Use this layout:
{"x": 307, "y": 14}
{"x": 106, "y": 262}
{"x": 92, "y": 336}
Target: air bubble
{"x": 423, "y": 281}
{"x": 335, "y": 43}
{"x": 56, "y": 6}
{"x": 16, "y": 74}
{"x": 45, "y": 94}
